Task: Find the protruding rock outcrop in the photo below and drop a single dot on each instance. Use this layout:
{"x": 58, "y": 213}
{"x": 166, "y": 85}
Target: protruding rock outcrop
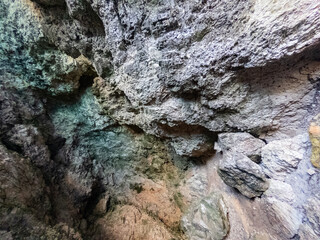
{"x": 241, "y": 142}
{"x": 239, "y": 166}
{"x": 240, "y": 172}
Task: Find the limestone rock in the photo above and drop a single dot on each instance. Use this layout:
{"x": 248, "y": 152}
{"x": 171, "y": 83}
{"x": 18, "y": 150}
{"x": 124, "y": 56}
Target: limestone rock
{"x": 281, "y": 157}
{"x": 306, "y": 233}
{"x": 238, "y": 171}
{"x": 183, "y": 63}
{"x": 183, "y": 71}
{"x": 208, "y": 219}
{"x": 243, "y": 143}
{"x": 34, "y": 61}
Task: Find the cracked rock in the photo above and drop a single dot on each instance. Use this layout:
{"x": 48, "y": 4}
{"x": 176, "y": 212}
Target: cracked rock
{"x": 238, "y": 171}
{"x": 243, "y": 143}
{"x": 208, "y": 219}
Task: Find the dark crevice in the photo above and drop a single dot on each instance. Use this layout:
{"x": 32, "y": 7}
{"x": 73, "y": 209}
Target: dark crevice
{"x": 134, "y": 129}
{"x": 11, "y": 146}
{"x": 96, "y": 191}
{"x": 85, "y": 81}
{"x": 55, "y": 144}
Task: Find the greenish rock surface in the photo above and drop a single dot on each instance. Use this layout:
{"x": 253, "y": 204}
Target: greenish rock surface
{"x": 207, "y": 219}
{"x": 109, "y": 111}
{"x": 27, "y": 53}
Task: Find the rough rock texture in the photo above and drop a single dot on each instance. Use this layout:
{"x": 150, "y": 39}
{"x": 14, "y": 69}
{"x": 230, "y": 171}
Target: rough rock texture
{"x": 242, "y": 173}
{"x": 243, "y": 143}
{"x": 127, "y": 222}
{"x": 314, "y": 134}
{"x": 207, "y": 219}
{"x": 312, "y": 209}
{"x": 110, "y": 110}
{"x": 283, "y": 156}
{"x": 284, "y": 218}
{"x": 196, "y": 66}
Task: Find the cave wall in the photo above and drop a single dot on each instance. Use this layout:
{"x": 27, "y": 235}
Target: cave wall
{"x": 158, "y": 119}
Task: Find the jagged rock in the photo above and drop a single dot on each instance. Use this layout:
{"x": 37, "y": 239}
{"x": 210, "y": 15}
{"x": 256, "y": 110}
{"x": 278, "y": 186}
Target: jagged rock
{"x": 193, "y": 146}
{"x": 284, "y": 218}
{"x": 243, "y": 143}
{"x": 21, "y": 184}
{"x": 30, "y": 57}
{"x": 207, "y": 219}
{"x": 238, "y": 171}
{"x": 164, "y": 85}
{"x": 281, "y": 191}
{"x": 23, "y": 225}
{"x": 183, "y": 71}
{"x": 31, "y": 143}
{"x": 314, "y": 134}
{"x": 172, "y": 65}
{"x": 281, "y": 157}
{"x": 313, "y": 214}
{"x": 279, "y": 203}
{"x": 306, "y": 233}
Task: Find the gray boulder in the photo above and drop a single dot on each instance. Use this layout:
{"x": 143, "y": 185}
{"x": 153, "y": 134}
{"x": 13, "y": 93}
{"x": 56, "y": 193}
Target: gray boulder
{"x": 238, "y": 171}
{"x": 241, "y": 142}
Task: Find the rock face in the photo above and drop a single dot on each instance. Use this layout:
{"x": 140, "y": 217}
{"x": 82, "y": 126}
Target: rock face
{"x": 207, "y": 219}
{"x": 243, "y": 143}
{"x": 242, "y": 173}
{"x": 314, "y": 133}
{"x": 194, "y": 65}
{"x": 110, "y": 112}
{"x": 283, "y": 156}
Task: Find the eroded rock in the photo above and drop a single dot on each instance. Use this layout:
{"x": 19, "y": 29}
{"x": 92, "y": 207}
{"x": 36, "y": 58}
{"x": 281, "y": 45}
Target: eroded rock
{"x": 284, "y": 218}
{"x": 312, "y": 209}
{"x": 243, "y": 143}
{"x": 282, "y": 157}
{"x": 240, "y": 172}
{"x": 208, "y": 219}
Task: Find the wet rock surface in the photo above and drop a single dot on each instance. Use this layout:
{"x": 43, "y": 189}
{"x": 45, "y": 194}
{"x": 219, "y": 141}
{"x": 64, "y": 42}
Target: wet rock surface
{"x": 110, "y": 112}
